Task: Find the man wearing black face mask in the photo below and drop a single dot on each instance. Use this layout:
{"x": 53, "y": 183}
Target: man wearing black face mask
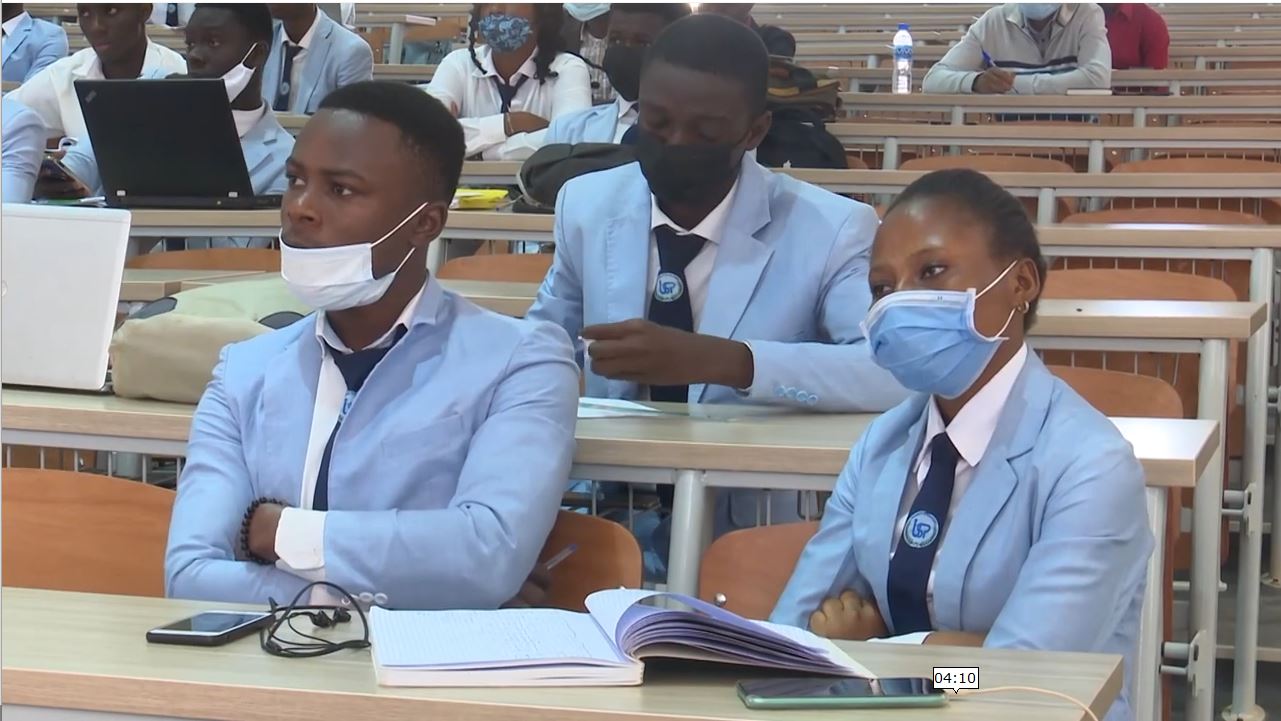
{"x": 632, "y": 29}
{"x": 697, "y": 275}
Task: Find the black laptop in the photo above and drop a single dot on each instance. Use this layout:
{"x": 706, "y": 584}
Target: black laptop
{"x": 167, "y": 144}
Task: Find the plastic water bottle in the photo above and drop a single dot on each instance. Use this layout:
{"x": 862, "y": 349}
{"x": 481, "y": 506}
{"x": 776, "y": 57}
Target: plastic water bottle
{"x": 902, "y": 80}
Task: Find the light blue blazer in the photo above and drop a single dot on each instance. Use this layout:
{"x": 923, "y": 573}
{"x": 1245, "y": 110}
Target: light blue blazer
{"x": 446, "y": 475}
{"x": 266, "y": 146}
{"x": 21, "y": 150}
{"x": 337, "y": 57}
{"x": 33, "y": 46}
{"x": 597, "y": 124}
{"x": 1046, "y": 550}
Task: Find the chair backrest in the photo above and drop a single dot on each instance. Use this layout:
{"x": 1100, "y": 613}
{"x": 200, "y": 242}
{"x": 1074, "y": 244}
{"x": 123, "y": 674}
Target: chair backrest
{"x": 1185, "y": 216}
{"x": 1198, "y": 165}
{"x": 607, "y": 556}
{"x": 68, "y": 531}
{"x": 1001, "y": 164}
{"x": 512, "y": 267}
{"x": 751, "y": 566}
{"x": 1130, "y": 284}
{"x": 1117, "y": 394}
{"x": 266, "y": 260}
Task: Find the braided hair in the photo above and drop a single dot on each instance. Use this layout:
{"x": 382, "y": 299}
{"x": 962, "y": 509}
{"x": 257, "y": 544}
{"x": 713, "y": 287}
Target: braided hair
{"x": 548, "y": 20}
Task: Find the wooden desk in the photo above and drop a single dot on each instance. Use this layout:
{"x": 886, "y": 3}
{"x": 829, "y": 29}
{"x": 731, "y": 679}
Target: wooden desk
{"x": 81, "y": 652}
{"x": 143, "y": 285}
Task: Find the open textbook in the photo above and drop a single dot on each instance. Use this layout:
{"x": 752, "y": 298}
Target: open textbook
{"x": 604, "y": 647}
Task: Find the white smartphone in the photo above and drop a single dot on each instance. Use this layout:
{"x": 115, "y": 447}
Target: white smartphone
{"x": 211, "y": 628}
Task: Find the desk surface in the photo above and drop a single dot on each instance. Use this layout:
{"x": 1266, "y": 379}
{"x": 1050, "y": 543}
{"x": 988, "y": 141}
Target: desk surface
{"x": 146, "y": 284}
{"x": 87, "y": 652}
{"x": 732, "y": 439}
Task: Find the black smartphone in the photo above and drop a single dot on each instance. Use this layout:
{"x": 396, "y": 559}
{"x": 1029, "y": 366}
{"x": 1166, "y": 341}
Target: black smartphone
{"x": 211, "y": 628}
{"x": 839, "y": 693}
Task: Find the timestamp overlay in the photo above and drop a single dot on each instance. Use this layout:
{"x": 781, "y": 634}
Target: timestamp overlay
{"x": 956, "y": 678}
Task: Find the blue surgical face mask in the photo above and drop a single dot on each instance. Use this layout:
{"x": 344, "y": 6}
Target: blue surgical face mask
{"x": 1039, "y": 11}
{"x": 927, "y": 340}
{"x": 504, "y": 33}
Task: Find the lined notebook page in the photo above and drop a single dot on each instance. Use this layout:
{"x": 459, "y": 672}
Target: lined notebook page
{"x": 486, "y": 639}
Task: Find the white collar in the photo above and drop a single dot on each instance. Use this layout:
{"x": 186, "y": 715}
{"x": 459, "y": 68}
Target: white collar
{"x": 89, "y": 67}
{"x": 711, "y": 227}
{"x": 485, "y": 56}
{"x": 11, "y": 25}
{"x": 325, "y": 333}
{"x": 307, "y": 37}
{"x": 626, "y": 106}
{"x": 972, "y": 429}
{"x": 246, "y": 119}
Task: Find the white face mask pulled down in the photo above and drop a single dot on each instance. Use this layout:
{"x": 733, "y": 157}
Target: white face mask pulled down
{"x": 340, "y": 277}
{"x": 237, "y": 79}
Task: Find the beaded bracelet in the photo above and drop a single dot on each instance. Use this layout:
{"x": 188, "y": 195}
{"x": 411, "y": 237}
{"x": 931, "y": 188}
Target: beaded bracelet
{"x": 244, "y": 529}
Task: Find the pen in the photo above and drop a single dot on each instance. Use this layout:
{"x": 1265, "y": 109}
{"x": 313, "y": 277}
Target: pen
{"x": 987, "y": 59}
{"x": 556, "y": 560}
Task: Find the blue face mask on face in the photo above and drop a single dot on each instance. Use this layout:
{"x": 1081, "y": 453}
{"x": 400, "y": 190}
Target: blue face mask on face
{"x": 1039, "y": 11}
{"x": 927, "y": 340}
{"x": 504, "y": 33}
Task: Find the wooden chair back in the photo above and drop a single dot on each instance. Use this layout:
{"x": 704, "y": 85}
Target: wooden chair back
{"x": 1268, "y": 209}
{"x": 1001, "y": 164}
{"x": 265, "y": 260}
{"x": 1164, "y": 216}
{"x": 751, "y": 566}
{"x": 511, "y": 267}
{"x": 68, "y": 531}
{"x": 607, "y": 556}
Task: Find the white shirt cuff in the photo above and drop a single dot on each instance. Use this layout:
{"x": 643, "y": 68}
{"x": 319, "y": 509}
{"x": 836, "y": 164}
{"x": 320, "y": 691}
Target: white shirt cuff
{"x": 913, "y": 639}
{"x": 490, "y": 131}
{"x": 300, "y": 543}
{"x": 747, "y": 392}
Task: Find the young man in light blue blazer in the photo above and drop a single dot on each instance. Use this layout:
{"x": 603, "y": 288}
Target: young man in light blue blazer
{"x": 633, "y": 27}
{"x": 423, "y": 469}
{"x": 311, "y": 56}
{"x": 30, "y": 45}
{"x": 697, "y": 275}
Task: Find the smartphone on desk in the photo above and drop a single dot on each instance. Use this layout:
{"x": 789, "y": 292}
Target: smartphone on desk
{"x": 839, "y": 693}
{"x": 211, "y": 628}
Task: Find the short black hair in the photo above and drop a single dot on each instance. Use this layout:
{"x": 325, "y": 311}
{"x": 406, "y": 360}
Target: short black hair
{"x": 716, "y": 45}
{"x": 427, "y": 127}
{"x": 254, "y": 17}
{"x": 668, "y": 12}
{"x": 1011, "y": 234}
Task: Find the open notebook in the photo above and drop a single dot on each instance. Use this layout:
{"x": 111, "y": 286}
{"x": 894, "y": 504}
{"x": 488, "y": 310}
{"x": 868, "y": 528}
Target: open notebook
{"x": 604, "y": 647}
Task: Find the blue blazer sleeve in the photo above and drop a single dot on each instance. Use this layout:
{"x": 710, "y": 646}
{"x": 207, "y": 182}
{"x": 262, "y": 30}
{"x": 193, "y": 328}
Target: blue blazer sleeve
{"x": 1091, "y": 553}
{"x": 828, "y": 564}
{"x": 839, "y": 373}
{"x": 560, "y": 298}
{"x": 53, "y": 47}
{"x": 476, "y": 552}
{"x": 356, "y": 63}
{"x": 22, "y": 151}
{"x": 213, "y": 493}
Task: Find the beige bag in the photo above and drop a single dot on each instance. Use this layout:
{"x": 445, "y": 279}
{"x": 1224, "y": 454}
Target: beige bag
{"x": 171, "y": 356}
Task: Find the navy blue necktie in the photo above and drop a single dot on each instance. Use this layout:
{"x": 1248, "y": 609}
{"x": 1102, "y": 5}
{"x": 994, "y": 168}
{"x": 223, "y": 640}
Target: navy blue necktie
{"x": 922, "y": 534}
{"x": 629, "y": 137}
{"x": 355, "y": 368}
{"x": 507, "y": 93}
{"x": 281, "y": 105}
{"x": 171, "y": 15}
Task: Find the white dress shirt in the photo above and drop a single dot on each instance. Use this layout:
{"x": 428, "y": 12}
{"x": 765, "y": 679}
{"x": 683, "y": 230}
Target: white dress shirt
{"x": 300, "y": 535}
{"x": 970, "y": 432}
{"x": 473, "y": 94}
{"x": 698, "y": 273}
{"x": 628, "y": 114}
{"x": 12, "y": 23}
{"x": 52, "y": 93}
{"x": 295, "y": 71}
{"x": 245, "y": 120}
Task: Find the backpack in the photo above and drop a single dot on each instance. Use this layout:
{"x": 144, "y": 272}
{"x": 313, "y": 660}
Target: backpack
{"x": 801, "y": 103}
{"x": 543, "y": 174}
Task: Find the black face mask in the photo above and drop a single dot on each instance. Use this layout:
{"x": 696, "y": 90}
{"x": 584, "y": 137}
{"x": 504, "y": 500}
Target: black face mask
{"x": 684, "y": 174}
{"x": 622, "y": 65}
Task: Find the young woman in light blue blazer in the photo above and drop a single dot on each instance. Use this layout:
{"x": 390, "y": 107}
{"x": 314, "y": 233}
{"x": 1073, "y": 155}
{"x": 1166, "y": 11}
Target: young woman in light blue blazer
{"x": 994, "y": 507}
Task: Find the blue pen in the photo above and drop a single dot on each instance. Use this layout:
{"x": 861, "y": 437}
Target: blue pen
{"x": 987, "y": 59}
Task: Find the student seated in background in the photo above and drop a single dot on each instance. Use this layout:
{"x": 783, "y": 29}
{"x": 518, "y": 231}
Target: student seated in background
{"x": 118, "y": 48}
{"x": 585, "y": 30}
{"x": 30, "y": 44}
{"x": 507, "y": 91}
{"x": 311, "y": 56}
{"x": 995, "y": 507}
{"x": 21, "y": 150}
{"x": 172, "y": 15}
{"x": 1028, "y": 49}
{"x": 403, "y": 443}
{"x": 632, "y": 29}
{"x": 697, "y": 275}
{"x": 1137, "y": 36}
{"x": 228, "y": 41}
